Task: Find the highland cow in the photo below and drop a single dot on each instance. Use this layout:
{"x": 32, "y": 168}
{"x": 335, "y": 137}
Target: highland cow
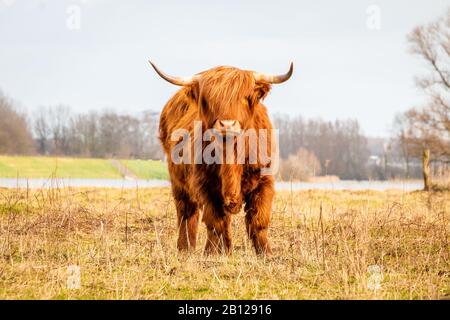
{"x": 227, "y": 100}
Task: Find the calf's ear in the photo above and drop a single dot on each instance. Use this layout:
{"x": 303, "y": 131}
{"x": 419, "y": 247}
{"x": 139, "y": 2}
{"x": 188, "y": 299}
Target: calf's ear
{"x": 259, "y": 93}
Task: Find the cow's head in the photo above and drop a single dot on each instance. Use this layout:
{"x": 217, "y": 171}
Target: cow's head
{"x": 227, "y": 97}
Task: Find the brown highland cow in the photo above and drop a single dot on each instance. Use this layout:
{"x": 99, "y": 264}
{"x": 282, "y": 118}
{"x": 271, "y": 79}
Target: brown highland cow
{"x": 227, "y": 100}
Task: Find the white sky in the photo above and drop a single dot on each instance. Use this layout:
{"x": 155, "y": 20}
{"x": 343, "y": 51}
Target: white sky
{"x": 342, "y": 68}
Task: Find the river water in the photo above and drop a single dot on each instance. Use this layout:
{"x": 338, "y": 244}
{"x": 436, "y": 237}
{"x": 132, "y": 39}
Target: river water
{"x": 125, "y": 183}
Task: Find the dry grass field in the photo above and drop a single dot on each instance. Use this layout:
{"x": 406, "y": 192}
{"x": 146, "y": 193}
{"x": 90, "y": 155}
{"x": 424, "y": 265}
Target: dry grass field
{"x": 327, "y": 245}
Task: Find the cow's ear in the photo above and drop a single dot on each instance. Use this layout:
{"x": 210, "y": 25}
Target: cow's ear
{"x": 259, "y": 93}
{"x": 193, "y": 91}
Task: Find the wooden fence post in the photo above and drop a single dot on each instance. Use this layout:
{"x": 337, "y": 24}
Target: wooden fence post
{"x": 426, "y": 170}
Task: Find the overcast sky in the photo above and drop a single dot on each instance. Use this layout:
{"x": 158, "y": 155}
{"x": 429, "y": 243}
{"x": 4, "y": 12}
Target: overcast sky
{"x": 345, "y": 66}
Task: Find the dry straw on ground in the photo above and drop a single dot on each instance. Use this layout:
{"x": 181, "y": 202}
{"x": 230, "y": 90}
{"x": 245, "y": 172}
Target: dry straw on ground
{"x": 327, "y": 244}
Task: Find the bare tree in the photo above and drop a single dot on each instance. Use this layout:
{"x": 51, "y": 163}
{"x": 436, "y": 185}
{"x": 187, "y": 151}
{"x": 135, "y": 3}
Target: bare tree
{"x": 402, "y": 139}
{"x": 59, "y": 118}
{"x": 83, "y": 133}
{"x": 42, "y": 130}
{"x": 15, "y": 136}
{"x": 429, "y": 126}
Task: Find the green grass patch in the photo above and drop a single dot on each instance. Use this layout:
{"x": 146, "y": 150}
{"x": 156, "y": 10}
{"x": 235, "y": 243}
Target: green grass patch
{"x": 44, "y": 167}
{"x": 62, "y": 167}
{"x": 147, "y": 169}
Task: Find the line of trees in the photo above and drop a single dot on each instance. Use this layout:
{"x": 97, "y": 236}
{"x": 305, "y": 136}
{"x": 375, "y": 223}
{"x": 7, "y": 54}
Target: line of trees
{"x": 105, "y": 134}
{"x": 335, "y": 148}
{"x": 339, "y": 146}
{"x": 59, "y": 131}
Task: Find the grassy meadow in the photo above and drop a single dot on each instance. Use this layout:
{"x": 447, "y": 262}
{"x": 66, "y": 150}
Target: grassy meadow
{"x": 326, "y": 245}
{"x": 147, "y": 169}
{"x": 64, "y": 167}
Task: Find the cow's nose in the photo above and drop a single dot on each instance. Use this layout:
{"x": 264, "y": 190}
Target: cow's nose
{"x": 227, "y": 124}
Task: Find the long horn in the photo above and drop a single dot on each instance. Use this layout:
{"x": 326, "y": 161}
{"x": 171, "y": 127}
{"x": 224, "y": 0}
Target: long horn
{"x": 274, "y": 79}
{"x": 178, "y": 81}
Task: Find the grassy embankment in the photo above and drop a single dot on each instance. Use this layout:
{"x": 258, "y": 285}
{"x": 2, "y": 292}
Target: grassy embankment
{"x": 326, "y": 244}
{"x": 62, "y": 167}
{"x": 147, "y": 169}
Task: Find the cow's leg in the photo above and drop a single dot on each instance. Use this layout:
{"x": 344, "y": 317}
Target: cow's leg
{"x": 231, "y": 187}
{"x": 218, "y": 225}
{"x": 258, "y": 205}
{"x": 187, "y": 213}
